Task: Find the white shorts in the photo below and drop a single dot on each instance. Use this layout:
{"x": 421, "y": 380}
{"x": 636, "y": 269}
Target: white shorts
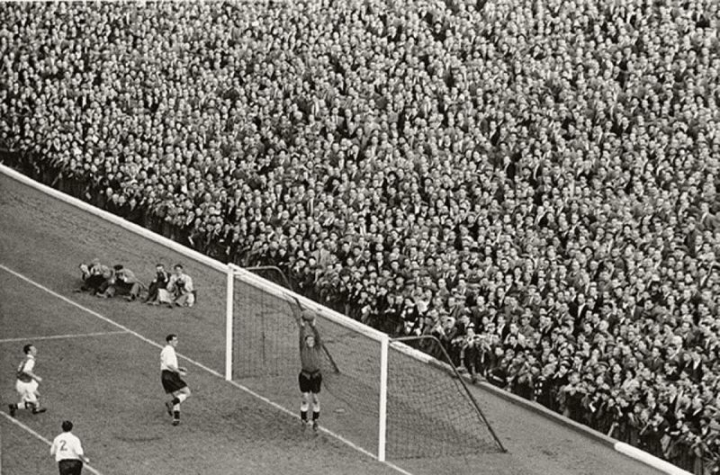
{"x": 27, "y": 391}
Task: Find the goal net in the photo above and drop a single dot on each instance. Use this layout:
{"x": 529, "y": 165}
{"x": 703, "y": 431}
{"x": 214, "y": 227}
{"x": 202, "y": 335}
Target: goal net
{"x": 430, "y": 410}
{"x": 421, "y": 411}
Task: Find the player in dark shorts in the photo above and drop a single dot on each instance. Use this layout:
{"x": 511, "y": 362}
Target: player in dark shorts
{"x": 171, "y": 381}
{"x": 310, "y": 377}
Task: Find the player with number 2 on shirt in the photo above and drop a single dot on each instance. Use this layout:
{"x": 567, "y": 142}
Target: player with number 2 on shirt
{"x": 68, "y": 451}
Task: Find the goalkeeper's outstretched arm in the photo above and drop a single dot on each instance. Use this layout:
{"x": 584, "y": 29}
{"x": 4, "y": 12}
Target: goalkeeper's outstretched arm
{"x": 297, "y": 312}
{"x": 303, "y": 316}
{"x": 305, "y": 320}
{"x": 316, "y": 333}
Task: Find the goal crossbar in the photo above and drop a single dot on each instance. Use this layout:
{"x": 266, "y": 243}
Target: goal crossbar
{"x": 291, "y": 297}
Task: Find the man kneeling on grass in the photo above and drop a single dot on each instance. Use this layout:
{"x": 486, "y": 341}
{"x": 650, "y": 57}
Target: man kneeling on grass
{"x": 123, "y": 282}
{"x": 180, "y": 290}
{"x": 162, "y": 278}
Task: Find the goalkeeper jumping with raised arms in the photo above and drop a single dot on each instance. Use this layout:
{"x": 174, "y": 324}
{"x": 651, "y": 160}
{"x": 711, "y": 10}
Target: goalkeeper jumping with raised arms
{"x": 310, "y": 377}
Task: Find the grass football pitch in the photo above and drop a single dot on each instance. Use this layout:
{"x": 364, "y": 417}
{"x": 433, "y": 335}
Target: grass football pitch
{"x": 100, "y": 364}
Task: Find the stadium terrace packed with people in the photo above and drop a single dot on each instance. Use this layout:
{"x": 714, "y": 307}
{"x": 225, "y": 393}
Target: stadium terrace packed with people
{"x": 533, "y": 183}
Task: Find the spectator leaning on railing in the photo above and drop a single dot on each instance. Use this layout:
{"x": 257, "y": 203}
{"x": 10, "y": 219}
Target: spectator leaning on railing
{"x": 544, "y": 175}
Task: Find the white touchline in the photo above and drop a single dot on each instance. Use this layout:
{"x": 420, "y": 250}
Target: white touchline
{"x": 40, "y": 437}
{"x": 59, "y": 337}
{"x": 199, "y": 365}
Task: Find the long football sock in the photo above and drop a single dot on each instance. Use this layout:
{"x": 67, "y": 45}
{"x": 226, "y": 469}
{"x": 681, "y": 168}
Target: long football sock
{"x": 303, "y": 411}
{"x": 316, "y": 410}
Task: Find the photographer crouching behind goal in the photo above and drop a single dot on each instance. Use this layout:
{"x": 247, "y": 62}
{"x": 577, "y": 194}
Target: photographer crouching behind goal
{"x": 94, "y": 276}
{"x": 179, "y": 291}
{"x": 161, "y": 281}
{"x": 122, "y": 282}
{"x": 310, "y": 377}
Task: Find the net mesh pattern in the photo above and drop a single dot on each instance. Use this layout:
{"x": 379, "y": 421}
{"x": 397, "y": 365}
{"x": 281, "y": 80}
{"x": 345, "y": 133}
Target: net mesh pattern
{"x": 266, "y": 358}
{"x": 429, "y": 413}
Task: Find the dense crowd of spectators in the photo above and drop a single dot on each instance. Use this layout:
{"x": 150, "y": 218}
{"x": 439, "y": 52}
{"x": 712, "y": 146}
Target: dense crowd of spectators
{"x": 534, "y": 183}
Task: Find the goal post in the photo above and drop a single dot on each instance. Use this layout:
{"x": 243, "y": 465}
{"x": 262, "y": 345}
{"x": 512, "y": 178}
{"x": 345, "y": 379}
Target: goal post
{"x": 377, "y": 392}
{"x": 229, "y": 319}
{"x": 382, "y": 422}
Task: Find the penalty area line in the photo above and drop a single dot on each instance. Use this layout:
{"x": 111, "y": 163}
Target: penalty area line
{"x": 203, "y": 367}
{"x": 60, "y": 337}
{"x": 43, "y": 439}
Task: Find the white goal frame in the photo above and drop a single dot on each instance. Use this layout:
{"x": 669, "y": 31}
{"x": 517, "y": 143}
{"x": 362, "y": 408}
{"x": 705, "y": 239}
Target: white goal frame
{"x": 247, "y": 277}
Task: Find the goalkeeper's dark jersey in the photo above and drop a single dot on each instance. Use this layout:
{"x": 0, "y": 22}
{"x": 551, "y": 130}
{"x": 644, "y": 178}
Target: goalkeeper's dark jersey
{"x": 310, "y": 357}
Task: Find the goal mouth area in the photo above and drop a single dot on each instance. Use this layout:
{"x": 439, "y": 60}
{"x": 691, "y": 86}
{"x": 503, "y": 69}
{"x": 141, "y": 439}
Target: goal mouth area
{"x": 381, "y": 394}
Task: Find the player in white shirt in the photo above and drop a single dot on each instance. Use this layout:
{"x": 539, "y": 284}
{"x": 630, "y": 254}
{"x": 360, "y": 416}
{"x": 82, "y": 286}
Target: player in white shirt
{"x": 27, "y": 383}
{"x": 68, "y": 451}
{"x": 170, "y": 377}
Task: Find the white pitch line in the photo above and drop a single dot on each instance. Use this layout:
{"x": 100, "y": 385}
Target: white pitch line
{"x": 201, "y": 366}
{"x": 59, "y": 337}
{"x": 40, "y": 437}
